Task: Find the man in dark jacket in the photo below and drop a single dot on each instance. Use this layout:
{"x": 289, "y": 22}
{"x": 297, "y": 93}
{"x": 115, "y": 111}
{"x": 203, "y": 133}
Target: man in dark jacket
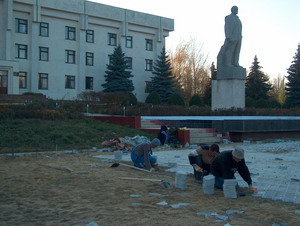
{"x": 163, "y": 135}
{"x": 226, "y": 164}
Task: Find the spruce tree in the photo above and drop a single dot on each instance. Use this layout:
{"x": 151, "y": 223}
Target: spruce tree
{"x": 207, "y": 92}
{"x": 163, "y": 82}
{"x": 293, "y": 82}
{"x": 213, "y": 71}
{"x": 117, "y": 77}
{"x": 257, "y": 83}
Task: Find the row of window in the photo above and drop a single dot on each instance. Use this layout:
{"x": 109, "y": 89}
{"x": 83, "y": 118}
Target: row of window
{"x": 43, "y": 81}
{"x": 70, "y": 34}
{"x": 70, "y": 57}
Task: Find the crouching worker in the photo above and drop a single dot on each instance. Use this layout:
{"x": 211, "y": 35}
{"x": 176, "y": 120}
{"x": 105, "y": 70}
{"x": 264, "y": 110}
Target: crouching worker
{"x": 226, "y": 164}
{"x": 201, "y": 159}
{"x": 141, "y": 155}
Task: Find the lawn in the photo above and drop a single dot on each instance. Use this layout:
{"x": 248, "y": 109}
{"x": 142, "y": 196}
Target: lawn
{"x": 27, "y": 135}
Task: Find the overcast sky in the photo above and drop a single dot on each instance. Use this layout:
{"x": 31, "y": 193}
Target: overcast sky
{"x": 271, "y": 28}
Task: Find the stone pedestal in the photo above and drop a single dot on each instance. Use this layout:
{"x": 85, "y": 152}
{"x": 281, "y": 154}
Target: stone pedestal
{"x": 228, "y": 93}
{"x": 231, "y": 73}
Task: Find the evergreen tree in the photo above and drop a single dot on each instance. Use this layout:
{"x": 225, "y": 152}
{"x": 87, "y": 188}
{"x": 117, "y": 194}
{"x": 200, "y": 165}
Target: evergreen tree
{"x": 117, "y": 77}
{"x": 207, "y": 92}
{"x": 213, "y": 71}
{"x": 163, "y": 82}
{"x": 153, "y": 98}
{"x": 257, "y": 83}
{"x": 293, "y": 82}
{"x": 195, "y": 100}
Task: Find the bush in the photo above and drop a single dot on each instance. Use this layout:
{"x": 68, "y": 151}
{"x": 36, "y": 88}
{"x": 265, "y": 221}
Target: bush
{"x": 129, "y": 99}
{"x": 153, "y": 98}
{"x": 176, "y": 99}
{"x": 195, "y": 101}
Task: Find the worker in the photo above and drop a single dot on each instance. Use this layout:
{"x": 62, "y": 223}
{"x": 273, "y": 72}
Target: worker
{"x": 225, "y": 165}
{"x": 141, "y": 155}
{"x": 201, "y": 159}
{"x": 163, "y": 134}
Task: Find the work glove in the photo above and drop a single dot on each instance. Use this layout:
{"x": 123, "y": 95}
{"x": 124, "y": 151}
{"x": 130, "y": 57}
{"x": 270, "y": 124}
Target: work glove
{"x": 253, "y": 189}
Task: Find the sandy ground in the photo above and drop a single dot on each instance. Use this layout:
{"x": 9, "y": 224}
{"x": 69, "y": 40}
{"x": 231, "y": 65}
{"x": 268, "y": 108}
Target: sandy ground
{"x": 77, "y": 189}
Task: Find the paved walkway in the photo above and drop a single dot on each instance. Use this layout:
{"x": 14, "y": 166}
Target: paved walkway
{"x": 274, "y": 167}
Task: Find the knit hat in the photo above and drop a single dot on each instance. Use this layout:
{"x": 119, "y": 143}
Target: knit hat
{"x": 155, "y": 142}
{"x": 238, "y": 153}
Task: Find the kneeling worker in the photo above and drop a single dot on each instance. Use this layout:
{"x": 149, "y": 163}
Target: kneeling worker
{"x": 226, "y": 164}
{"x": 141, "y": 155}
{"x": 201, "y": 159}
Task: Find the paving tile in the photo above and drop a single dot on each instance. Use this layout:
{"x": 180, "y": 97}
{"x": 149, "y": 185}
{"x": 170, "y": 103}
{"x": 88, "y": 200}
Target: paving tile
{"x": 274, "y": 167}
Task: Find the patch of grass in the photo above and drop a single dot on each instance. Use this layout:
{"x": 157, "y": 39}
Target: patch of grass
{"x": 27, "y": 135}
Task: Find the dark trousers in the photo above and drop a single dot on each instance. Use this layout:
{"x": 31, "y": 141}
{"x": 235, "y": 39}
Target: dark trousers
{"x": 198, "y": 161}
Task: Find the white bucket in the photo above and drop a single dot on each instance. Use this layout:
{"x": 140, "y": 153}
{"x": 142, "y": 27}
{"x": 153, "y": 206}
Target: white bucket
{"x": 208, "y": 185}
{"x": 180, "y": 180}
{"x": 118, "y": 155}
{"x": 229, "y": 188}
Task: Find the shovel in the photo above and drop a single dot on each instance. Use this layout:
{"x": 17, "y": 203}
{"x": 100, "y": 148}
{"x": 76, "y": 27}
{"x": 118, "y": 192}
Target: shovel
{"x": 166, "y": 184}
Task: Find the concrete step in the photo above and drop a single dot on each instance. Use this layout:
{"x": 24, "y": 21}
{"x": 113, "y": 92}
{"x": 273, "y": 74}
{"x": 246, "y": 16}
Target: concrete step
{"x": 197, "y": 135}
{"x": 150, "y": 124}
{"x": 205, "y": 140}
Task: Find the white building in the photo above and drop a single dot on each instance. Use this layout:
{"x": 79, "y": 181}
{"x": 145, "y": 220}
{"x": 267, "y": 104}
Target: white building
{"x": 60, "y": 48}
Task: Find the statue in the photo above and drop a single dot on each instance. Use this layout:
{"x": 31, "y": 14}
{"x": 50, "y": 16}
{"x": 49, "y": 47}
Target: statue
{"x": 228, "y": 89}
{"x": 228, "y": 57}
{"x": 233, "y": 41}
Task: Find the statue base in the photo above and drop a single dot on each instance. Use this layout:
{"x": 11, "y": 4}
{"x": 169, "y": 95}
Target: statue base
{"x": 231, "y": 72}
{"x": 228, "y": 93}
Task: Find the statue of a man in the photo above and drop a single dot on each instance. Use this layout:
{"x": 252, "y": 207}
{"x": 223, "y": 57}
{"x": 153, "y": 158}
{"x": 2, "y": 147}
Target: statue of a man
{"x": 233, "y": 39}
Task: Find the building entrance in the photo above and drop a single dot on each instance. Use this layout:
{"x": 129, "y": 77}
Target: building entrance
{"x": 3, "y": 81}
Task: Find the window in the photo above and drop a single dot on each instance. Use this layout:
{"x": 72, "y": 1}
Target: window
{"x": 44, "y": 53}
{"x": 44, "y": 29}
{"x": 149, "y": 65}
{"x": 112, "y": 39}
{"x": 22, "y": 80}
{"x": 70, "y": 82}
{"x": 21, "y": 51}
{"x": 89, "y": 59}
{"x": 128, "y": 42}
{"x": 90, "y": 36}
{"x": 43, "y": 81}
{"x": 70, "y": 56}
{"x": 128, "y": 62}
{"x": 70, "y": 33}
{"x": 21, "y": 26}
{"x": 149, "y": 44}
{"x": 89, "y": 82}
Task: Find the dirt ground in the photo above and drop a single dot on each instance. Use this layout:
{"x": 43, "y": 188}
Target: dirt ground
{"x": 77, "y": 189}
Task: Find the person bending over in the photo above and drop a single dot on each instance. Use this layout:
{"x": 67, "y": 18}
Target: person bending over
{"x": 201, "y": 159}
{"x": 226, "y": 164}
{"x": 141, "y": 155}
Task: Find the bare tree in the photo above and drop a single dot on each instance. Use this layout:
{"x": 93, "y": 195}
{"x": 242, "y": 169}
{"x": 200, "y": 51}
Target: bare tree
{"x": 190, "y": 67}
{"x": 278, "y": 89}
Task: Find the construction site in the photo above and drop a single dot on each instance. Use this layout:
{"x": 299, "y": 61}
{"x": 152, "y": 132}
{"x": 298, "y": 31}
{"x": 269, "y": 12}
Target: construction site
{"x": 101, "y": 187}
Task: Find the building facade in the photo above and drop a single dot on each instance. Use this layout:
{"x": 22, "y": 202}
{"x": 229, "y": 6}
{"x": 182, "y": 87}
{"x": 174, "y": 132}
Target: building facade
{"x": 61, "y": 48}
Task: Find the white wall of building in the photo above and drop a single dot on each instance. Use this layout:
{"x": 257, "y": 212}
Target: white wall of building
{"x": 83, "y": 15}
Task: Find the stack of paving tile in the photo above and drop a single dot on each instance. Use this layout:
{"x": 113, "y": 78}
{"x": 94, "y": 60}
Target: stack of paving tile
{"x": 118, "y": 155}
{"x": 229, "y": 188}
{"x": 208, "y": 185}
{"x": 180, "y": 180}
